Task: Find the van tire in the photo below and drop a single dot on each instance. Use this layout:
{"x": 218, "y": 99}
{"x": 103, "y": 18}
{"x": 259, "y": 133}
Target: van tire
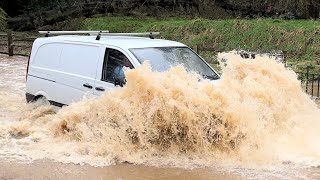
{"x": 41, "y": 100}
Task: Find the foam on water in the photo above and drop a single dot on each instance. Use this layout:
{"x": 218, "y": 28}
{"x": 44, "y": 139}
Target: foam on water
{"x": 256, "y": 115}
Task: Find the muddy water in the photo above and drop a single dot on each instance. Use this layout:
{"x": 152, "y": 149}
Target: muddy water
{"x": 257, "y": 123}
{"x": 51, "y": 170}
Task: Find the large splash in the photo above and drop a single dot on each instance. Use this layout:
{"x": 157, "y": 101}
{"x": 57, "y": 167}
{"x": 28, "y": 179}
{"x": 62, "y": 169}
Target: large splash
{"x": 257, "y": 113}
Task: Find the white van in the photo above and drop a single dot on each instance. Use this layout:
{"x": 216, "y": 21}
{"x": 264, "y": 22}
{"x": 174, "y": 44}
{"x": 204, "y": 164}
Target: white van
{"x": 63, "y": 69}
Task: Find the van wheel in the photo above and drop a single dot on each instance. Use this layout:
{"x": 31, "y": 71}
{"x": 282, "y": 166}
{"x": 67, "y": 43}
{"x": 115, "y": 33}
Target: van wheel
{"x": 41, "y": 101}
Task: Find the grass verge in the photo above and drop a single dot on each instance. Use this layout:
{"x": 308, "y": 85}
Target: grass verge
{"x": 3, "y": 17}
{"x": 299, "y": 39}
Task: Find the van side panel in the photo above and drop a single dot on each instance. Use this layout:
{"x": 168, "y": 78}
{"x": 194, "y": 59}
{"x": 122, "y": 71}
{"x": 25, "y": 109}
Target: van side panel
{"x": 76, "y": 73}
{"x": 79, "y": 60}
{"x": 60, "y": 71}
{"x": 48, "y": 56}
{"x": 42, "y": 69}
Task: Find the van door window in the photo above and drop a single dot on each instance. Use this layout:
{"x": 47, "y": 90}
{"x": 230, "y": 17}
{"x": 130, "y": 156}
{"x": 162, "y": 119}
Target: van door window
{"x": 114, "y": 62}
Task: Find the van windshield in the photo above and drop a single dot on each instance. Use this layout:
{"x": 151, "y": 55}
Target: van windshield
{"x": 163, "y": 58}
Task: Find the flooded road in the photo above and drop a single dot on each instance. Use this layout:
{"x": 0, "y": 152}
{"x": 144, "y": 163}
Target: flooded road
{"x": 51, "y": 170}
{"x": 32, "y": 145}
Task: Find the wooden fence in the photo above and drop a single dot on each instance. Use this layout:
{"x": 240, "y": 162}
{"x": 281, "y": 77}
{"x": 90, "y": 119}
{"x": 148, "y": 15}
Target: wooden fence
{"x": 310, "y": 80}
{"x": 16, "y": 43}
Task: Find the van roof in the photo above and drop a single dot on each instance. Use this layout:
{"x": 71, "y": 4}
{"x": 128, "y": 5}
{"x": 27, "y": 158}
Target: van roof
{"x": 124, "y": 42}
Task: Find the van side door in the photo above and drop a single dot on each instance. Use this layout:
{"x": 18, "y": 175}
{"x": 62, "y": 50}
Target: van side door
{"x": 77, "y": 72}
{"x": 110, "y": 72}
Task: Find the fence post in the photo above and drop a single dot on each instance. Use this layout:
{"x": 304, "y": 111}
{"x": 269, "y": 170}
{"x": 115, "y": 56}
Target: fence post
{"x": 285, "y": 58}
{"x": 318, "y": 94}
{"x": 10, "y": 44}
{"x": 307, "y": 79}
{"x": 312, "y": 83}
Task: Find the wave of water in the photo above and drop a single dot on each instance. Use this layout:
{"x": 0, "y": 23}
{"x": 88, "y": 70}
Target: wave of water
{"x": 256, "y": 115}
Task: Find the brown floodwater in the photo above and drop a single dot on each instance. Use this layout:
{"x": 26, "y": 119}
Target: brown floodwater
{"x": 256, "y": 124}
{"x": 51, "y": 170}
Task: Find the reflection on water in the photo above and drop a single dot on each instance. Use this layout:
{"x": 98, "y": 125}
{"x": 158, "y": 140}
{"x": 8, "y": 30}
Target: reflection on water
{"x": 256, "y": 122}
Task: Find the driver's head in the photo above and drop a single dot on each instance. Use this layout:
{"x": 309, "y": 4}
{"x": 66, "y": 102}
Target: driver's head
{"x": 125, "y": 62}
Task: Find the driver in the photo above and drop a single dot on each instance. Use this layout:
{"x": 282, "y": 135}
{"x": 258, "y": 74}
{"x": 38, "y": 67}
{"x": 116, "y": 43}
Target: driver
{"x": 118, "y": 73}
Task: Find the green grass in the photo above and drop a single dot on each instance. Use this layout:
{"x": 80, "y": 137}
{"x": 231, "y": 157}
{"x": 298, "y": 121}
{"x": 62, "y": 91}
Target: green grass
{"x": 300, "y": 39}
{"x": 3, "y": 17}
